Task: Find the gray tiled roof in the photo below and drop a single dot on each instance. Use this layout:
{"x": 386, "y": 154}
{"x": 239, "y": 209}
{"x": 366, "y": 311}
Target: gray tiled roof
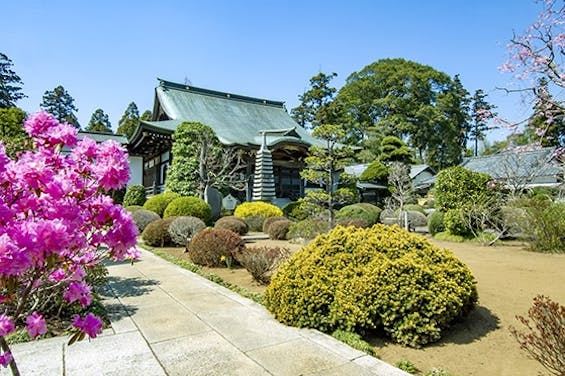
{"x": 101, "y": 137}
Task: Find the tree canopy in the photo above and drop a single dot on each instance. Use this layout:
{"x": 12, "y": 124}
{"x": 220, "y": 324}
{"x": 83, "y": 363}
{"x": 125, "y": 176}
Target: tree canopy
{"x": 12, "y": 134}
{"x": 10, "y": 83}
{"x": 99, "y": 122}
{"x": 59, "y": 103}
{"x": 482, "y": 112}
{"x": 129, "y": 121}
{"x": 315, "y": 103}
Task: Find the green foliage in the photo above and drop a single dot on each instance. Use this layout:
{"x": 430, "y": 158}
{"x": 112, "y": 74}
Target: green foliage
{"x": 135, "y": 195}
{"x": 158, "y": 203}
{"x": 270, "y": 220}
{"x": 353, "y": 222}
{"x": 211, "y": 247}
{"x": 376, "y": 171}
{"x": 279, "y": 229}
{"x": 12, "y": 133}
{"x": 143, "y": 217}
{"x": 445, "y": 235}
{"x": 544, "y": 339}
{"x": 393, "y": 149}
{"x": 455, "y": 224}
{"x": 437, "y": 372}
{"x": 132, "y": 208}
{"x": 232, "y": 223}
{"x": 10, "y": 83}
{"x": 188, "y": 207}
{"x": 406, "y": 366}
{"x": 456, "y": 187}
{"x": 257, "y": 208}
{"x": 354, "y": 340}
{"x": 358, "y": 211}
{"x": 293, "y": 210}
{"x": 129, "y": 121}
{"x": 99, "y": 122}
{"x": 59, "y": 103}
{"x": 262, "y": 262}
{"x": 414, "y": 207}
{"x": 308, "y": 229}
{"x": 156, "y": 234}
{"x": 314, "y": 108}
{"x": 146, "y": 115}
{"x": 383, "y": 277}
{"x": 182, "y": 229}
{"x": 435, "y": 222}
{"x": 254, "y": 222}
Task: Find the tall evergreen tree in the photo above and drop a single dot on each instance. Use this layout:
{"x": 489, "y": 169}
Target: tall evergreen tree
{"x": 482, "y": 112}
{"x": 12, "y": 133}
{"x": 314, "y": 109}
{"x": 99, "y": 122}
{"x": 10, "y": 83}
{"x": 146, "y": 115}
{"x": 393, "y": 149}
{"x": 60, "y": 104}
{"x": 129, "y": 121}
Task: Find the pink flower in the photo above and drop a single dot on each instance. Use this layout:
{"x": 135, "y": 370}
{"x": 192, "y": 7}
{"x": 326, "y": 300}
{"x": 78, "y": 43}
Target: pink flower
{"x": 6, "y": 325}
{"x": 57, "y": 275}
{"x": 13, "y": 260}
{"x": 6, "y": 359}
{"x": 90, "y": 325}
{"x": 78, "y": 291}
{"x": 35, "y": 325}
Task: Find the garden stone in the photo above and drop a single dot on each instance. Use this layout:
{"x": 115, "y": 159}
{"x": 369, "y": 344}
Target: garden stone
{"x": 229, "y": 202}
{"x": 214, "y": 198}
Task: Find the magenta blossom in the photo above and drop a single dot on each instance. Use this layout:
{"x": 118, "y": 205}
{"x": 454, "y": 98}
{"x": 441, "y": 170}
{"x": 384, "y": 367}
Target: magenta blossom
{"x": 90, "y": 324}
{"x": 5, "y": 359}
{"x": 78, "y": 291}
{"x": 6, "y": 325}
{"x": 36, "y": 325}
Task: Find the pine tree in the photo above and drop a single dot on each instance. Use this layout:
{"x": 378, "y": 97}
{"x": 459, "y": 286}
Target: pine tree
{"x": 99, "y": 122}
{"x": 10, "y": 83}
{"x": 314, "y": 109}
{"x": 482, "y": 112}
{"x": 60, "y": 104}
{"x": 146, "y": 115}
{"x": 129, "y": 121}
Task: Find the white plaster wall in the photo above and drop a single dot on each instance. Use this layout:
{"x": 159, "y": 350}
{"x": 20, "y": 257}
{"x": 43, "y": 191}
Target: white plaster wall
{"x": 136, "y": 170}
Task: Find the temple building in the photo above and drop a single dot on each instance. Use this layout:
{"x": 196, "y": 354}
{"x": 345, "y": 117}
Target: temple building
{"x": 274, "y": 145}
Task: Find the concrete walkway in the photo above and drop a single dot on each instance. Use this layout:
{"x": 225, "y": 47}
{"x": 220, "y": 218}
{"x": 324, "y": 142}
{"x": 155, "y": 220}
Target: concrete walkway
{"x": 169, "y": 321}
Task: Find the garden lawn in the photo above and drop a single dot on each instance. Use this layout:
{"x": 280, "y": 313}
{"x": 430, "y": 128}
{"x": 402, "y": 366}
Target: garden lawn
{"x": 508, "y": 279}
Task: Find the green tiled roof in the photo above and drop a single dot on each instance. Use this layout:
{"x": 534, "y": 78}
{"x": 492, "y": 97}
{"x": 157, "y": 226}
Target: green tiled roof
{"x": 236, "y": 119}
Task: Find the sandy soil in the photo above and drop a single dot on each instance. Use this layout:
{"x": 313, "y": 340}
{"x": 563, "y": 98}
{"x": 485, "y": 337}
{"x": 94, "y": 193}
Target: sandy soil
{"x": 508, "y": 279}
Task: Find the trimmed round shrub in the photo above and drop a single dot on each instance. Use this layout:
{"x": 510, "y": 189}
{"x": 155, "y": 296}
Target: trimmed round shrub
{"x": 376, "y": 171}
{"x": 135, "y": 195}
{"x": 257, "y": 208}
{"x": 143, "y": 217}
{"x": 182, "y": 229}
{"x": 454, "y": 222}
{"x": 308, "y": 229}
{"x": 455, "y": 187}
{"x": 232, "y": 223}
{"x": 278, "y": 229}
{"x": 209, "y": 246}
{"x": 254, "y": 222}
{"x": 414, "y": 207}
{"x": 267, "y": 222}
{"x": 158, "y": 203}
{"x": 382, "y": 277}
{"x": 375, "y": 210}
{"x": 262, "y": 262}
{"x": 133, "y": 208}
{"x": 189, "y": 207}
{"x": 293, "y": 210}
{"x": 435, "y": 222}
{"x": 156, "y": 234}
{"x": 353, "y": 222}
{"x": 357, "y": 211}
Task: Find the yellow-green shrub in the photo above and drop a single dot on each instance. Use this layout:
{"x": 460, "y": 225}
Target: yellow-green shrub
{"x": 381, "y": 277}
{"x": 257, "y": 208}
{"x": 158, "y": 203}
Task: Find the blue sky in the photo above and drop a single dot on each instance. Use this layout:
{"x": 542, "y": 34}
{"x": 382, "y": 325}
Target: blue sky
{"x": 109, "y": 53}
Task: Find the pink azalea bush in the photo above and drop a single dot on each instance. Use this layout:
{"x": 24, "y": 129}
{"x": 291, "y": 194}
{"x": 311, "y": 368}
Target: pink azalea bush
{"x": 56, "y": 223}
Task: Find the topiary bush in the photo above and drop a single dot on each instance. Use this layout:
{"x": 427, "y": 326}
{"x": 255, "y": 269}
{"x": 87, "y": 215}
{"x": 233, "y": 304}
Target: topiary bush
{"x": 143, "y": 217}
{"x": 135, "y": 195}
{"x": 359, "y": 211}
{"x": 308, "y": 229}
{"x": 232, "y": 223}
{"x": 455, "y": 223}
{"x": 455, "y": 187}
{"x": 262, "y": 262}
{"x": 435, "y": 222}
{"x": 279, "y": 229}
{"x": 209, "y": 246}
{"x": 158, "y": 203}
{"x": 353, "y": 222}
{"x": 257, "y": 208}
{"x": 156, "y": 234}
{"x": 376, "y": 171}
{"x": 293, "y": 210}
{"x": 254, "y": 222}
{"x": 382, "y": 277}
{"x": 182, "y": 229}
{"x": 267, "y": 222}
{"x": 189, "y": 206}
{"x": 133, "y": 208}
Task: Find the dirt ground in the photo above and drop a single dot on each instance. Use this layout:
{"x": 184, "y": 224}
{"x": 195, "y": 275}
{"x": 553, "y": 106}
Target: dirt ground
{"x": 508, "y": 279}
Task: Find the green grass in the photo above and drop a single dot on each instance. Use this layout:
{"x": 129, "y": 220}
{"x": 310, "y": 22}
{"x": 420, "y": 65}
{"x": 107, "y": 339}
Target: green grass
{"x": 354, "y": 340}
{"x": 258, "y": 298}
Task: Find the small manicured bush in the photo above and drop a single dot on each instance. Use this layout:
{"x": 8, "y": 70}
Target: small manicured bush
{"x": 209, "y": 246}
{"x": 308, "y": 229}
{"x": 455, "y": 224}
{"x": 262, "y": 262}
{"x": 382, "y": 277}
{"x": 144, "y": 217}
{"x": 232, "y": 223}
{"x": 257, "y": 208}
{"x": 189, "y": 206}
{"x": 267, "y": 222}
{"x": 254, "y": 222}
{"x": 279, "y": 229}
{"x": 435, "y": 222}
{"x": 133, "y": 208}
{"x": 359, "y": 211}
{"x": 293, "y": 210}
{"x": 376, "y": 171}
{"x": 457, "y": 187}
{"x": 158, "y": 203}
{"x": 135, "y": 195}
{"x": 156, "y": 234}
{"x": 353, "y": 222}
{"x": 182, "y": 229}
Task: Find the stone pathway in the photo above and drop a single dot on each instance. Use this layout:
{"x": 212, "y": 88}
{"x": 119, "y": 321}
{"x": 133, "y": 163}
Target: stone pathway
{"x": 169, "y": 321}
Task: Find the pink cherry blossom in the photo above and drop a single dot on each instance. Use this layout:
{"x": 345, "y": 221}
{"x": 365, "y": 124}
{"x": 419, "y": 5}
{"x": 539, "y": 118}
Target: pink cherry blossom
{"x": 36, "y": 325}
